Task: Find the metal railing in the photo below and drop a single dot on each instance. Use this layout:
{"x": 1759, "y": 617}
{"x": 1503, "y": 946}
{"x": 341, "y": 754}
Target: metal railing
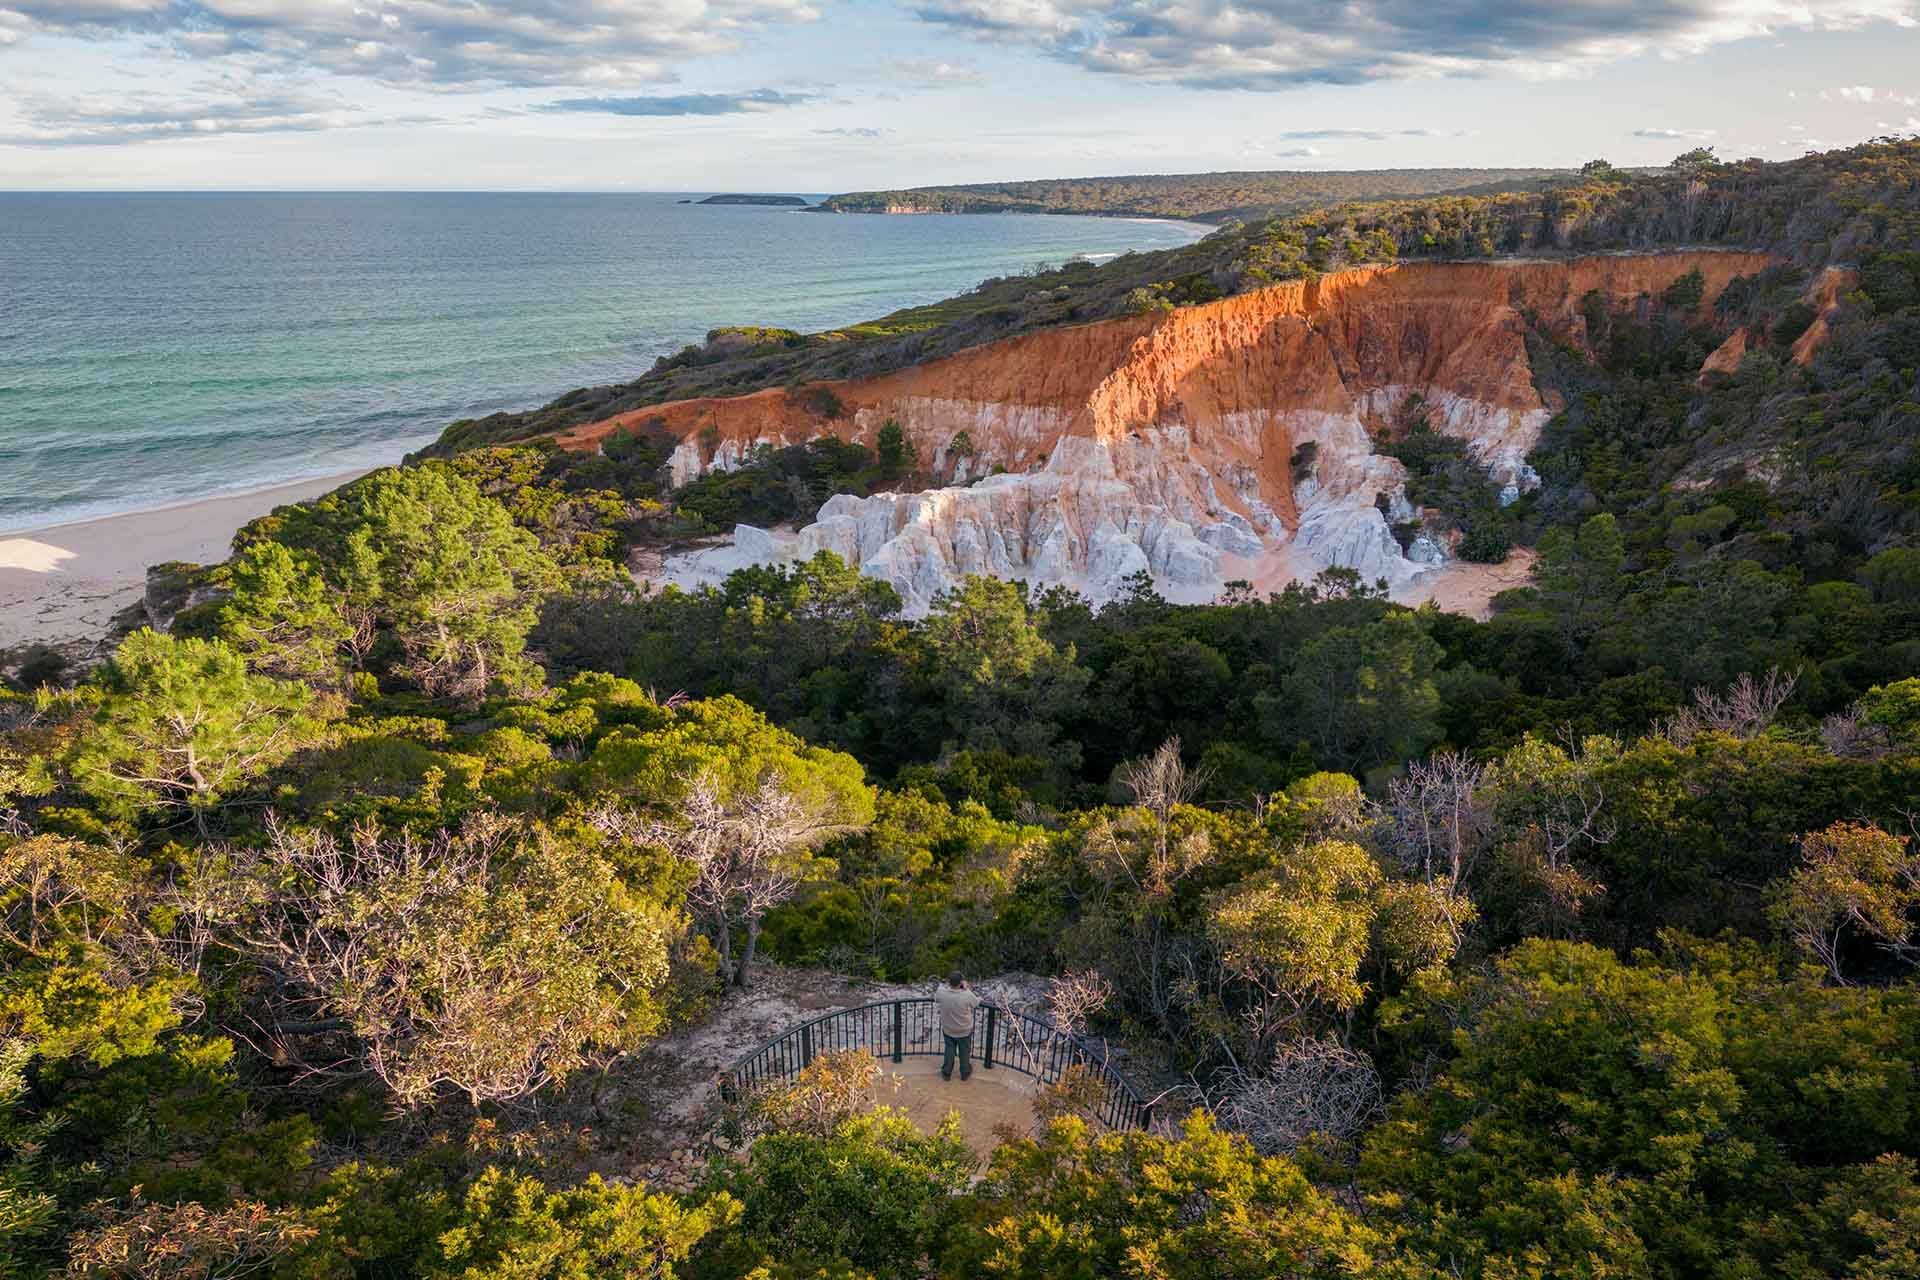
{"x": 899, "y": 1029}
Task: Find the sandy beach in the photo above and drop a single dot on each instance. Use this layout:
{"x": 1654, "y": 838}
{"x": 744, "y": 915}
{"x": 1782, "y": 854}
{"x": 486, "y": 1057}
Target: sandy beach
{"x": 65, "y": 582}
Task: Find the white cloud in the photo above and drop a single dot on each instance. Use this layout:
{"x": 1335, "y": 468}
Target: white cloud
{"x": 681, "y": 104}
{"x": 1368, "y": 135}
{"x": 212, "y": 110}
{"x": 1865, "y": 94}
{"x": 1689, "y": 135}
{"x": 448, "y": 44}
{"x": 1297, "y": 153}
{"x": 1270, "y": 44}
{"x": 933, "y": 73}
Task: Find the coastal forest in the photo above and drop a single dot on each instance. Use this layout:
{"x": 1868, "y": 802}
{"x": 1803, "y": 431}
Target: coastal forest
{"x": 1574, "y": 941}
{"x": 1196, "y": 197}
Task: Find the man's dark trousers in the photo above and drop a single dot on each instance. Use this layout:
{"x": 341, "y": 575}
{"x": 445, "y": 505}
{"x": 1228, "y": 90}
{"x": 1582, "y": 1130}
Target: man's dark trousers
{"x": 963, "y": 1047}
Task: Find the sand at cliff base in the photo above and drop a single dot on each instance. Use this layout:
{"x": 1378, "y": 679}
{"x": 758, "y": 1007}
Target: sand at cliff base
{"x": 1458, "y": 586}
{"x": 1463, "y": 587}
{"x": 64, "y": 583}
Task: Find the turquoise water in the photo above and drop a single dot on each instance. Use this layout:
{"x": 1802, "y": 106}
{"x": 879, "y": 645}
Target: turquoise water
{"x": 160, "y": 348}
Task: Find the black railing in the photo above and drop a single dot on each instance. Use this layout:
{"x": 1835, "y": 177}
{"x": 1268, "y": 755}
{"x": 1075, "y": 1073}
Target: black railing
{"x": 900, "y": 1029}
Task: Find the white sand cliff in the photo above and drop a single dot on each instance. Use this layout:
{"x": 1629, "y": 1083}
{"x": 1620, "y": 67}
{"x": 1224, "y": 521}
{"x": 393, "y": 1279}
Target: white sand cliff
{"x": 1229, "y": 440}
{"x": 1079, "y": 522}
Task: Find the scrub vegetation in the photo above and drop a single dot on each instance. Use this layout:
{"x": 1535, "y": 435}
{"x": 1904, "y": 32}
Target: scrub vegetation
{"x": 1575, "y": 942}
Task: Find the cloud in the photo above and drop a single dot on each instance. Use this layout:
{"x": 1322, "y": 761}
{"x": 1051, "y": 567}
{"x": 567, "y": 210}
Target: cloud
{"x": 1276, "y": 44}
{"x": 682, "y": 104}
{"x": 853, "y": 133}
{"x": 1366, "y": 135}
{"x": 212, "y": 111}
{"x": 1297, "y": 153}
{"x": 1865, "y": 94}
{"x": 933, "y": 73}
{"x": 429, "y": 43}
{"x": 1675, "y": 135}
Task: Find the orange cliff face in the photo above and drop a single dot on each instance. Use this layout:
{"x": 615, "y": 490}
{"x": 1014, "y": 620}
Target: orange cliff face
{"x": 1174, "y": 442}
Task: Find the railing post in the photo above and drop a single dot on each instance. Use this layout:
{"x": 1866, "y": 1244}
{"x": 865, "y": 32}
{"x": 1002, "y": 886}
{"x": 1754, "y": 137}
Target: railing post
{"x": 899, "y": 1031}
{"x": 1146, "y": 1117}
{"x": 806, "y": 1047}
{"x": 986, "y": 1059}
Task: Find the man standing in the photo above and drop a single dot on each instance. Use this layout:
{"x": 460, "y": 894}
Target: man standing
{"x": 956, "y": 1003}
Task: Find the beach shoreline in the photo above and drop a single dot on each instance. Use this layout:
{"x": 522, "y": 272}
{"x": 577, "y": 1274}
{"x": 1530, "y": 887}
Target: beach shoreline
{"x": 62, "y": 584}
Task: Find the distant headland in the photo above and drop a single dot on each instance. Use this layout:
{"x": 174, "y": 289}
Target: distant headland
{"x": 792, "y": 202}
{"x": 1215, "y": 198}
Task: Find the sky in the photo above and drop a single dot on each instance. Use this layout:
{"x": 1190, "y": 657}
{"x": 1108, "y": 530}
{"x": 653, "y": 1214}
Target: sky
{"x": 818, "y": 96}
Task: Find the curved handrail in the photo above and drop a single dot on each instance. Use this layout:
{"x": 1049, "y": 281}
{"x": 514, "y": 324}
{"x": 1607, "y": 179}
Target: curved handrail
{"x": 910, "y": 1027}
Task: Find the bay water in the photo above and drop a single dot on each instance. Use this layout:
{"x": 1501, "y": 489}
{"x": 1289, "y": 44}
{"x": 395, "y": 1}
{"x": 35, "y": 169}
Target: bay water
{"x": 161, "y": 348}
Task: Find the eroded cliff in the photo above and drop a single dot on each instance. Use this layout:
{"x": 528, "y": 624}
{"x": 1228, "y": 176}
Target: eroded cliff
{"x": 1177, "y": 443}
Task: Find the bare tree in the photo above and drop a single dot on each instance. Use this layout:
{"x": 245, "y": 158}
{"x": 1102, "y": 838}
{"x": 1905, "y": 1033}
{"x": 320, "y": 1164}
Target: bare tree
{"x": 1162, "y": 780}
{"x": 1160, "y": 783}
{"x": 1073, "y": 998}
{"x": 1314, "y": 1086}
{"x": 1745, "y": 710}
{"x": 771, "y": 826}
{"x": 747, "y": 851}
{"x": 1440, "y": 820}
{"x": 1849, "y": 733}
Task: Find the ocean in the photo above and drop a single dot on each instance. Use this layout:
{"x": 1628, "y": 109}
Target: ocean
{"x": 157, "y": 349}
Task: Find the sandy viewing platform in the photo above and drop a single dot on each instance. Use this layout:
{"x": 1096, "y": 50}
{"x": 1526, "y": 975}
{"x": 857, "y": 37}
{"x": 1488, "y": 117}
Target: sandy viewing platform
{"x": 65, "y": 582}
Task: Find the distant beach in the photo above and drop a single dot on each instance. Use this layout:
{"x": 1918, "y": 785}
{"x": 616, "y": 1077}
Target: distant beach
{"x": 64, "y": 583}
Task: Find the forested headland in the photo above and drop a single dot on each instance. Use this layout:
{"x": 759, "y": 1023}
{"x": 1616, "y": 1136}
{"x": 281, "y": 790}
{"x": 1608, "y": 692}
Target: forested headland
{"x": 1197, "y": 197}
